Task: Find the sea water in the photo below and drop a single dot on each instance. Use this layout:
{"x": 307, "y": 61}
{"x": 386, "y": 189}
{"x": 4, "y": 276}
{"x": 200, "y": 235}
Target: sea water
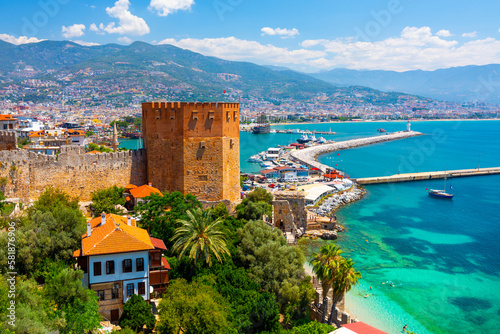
{"x": 442, "y": 256}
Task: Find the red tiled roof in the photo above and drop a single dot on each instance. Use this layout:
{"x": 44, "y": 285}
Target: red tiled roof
{"x": 362, "y": 328}
{"x": 164, "y": 262}
{"x": 158, "y": 243}
{"x": 115, "y": 236}
{"x": 144, "y": 191}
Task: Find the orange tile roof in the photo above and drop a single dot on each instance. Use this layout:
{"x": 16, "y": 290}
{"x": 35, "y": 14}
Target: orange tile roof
{"x": 7, "y": 117}
{"x": 115, "y": 236}
{"x": 93, "y": 152}
{"x": 77, "y": 253}
{"x": 130, "y": 186}
{"x": 144, "y": 191}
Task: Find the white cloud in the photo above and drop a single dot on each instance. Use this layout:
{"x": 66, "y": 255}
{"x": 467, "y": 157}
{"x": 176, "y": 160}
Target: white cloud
{"x": 76, "y": 30}
{"x": 127, "y": 23}
{"x": 415, "y": 48}
{"x": 86, "y": 43}
{"x": 165, "y": 7}
{"x": 125, "y": 40}
{"x": 232, "y": 48}
{"x": 470, "y": 34}
{"x": 443, "y": 33}
{"x": 19, "y": 40}
{"x": 284, "y": 33}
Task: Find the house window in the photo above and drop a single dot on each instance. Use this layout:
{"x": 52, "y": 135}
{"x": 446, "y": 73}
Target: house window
{"x": 141, "y": 288}
{"x": 114, "y": 291}
{"x": 139, "y": 264}
{"x": 97, "y": 268}
{"x": 100, "y": 294}
{"x": 130, "y": 289}
{"x": 110, "y": 267}
{"x": 127, "y": 266}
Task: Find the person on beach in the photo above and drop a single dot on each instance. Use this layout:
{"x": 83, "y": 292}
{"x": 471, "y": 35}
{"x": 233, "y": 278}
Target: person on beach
{"x": 404, "y": 327}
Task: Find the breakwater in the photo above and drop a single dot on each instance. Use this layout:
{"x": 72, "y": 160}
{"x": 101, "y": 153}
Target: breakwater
{"x": 308, "y": 156}
{"x": 428, "y": 175}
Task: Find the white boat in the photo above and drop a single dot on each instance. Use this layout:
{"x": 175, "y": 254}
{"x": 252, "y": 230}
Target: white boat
{"x": 441, "y": 193}
{"x": 254, "y": 159}
{"x": 321, "y": 140}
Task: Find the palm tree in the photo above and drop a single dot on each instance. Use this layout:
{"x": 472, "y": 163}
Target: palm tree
{"x": 200, "y": 236}
{"x": 325, "y": 264}
{"x": 345, "y": 278}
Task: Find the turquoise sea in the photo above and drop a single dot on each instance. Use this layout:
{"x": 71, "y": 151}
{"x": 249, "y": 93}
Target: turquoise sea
{"x": 443, "y": 256}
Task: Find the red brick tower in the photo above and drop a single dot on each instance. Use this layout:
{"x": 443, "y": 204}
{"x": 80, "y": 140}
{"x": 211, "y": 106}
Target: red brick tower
{"x": 193, "y": 148}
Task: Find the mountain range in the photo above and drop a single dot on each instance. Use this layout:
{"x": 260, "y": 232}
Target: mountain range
{"x": 166, "y": 71}
{"x": 457, "y": 84}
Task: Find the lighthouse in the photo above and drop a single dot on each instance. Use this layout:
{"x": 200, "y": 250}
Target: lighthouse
{"x": 408, "y": 126}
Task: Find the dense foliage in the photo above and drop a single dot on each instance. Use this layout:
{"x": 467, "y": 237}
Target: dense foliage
{"x": 106, "y": 200}
{"x": 256, "y": 204}
{"x": 160, "y": 214}
{"x": 45, "y": 240}
{"x": 137, "y": 314}
{"x": 277, "y": 267}
{"x": 49, "y": 233}
{"x": 192, "y": 308}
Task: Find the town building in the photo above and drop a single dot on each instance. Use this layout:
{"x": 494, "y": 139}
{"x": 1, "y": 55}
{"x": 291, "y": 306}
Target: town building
{"x": 137, "y": 194}
{"x": 7, "y": 122}
{"x": 286, "y": 173}
{"x": 119, "y": 260}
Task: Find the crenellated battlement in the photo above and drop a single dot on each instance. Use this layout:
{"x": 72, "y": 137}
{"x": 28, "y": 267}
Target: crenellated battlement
{"x": 8, "y": 140}
{"x": 74, "y": 171}
{"x": 193, "y": 147}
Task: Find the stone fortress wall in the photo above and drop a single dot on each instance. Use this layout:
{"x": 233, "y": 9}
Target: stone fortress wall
{"x": 26, "y": 175}
{"x": 8, "y": 140}
{"x": 188, "y": 147}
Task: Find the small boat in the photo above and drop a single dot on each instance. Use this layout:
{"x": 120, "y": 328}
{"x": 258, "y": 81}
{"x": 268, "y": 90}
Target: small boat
{"x": 321, "y": 140}
{"x": 254, "y": 159}
{"x": 381, "y": 130}
{"x": 303, "y": 139}
{"x": 441, "y": 193}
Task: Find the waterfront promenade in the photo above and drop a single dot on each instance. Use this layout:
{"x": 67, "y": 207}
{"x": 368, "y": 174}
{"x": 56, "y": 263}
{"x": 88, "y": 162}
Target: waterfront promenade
{"x": 428, "y": 175}
{"x": 308, "y": 156}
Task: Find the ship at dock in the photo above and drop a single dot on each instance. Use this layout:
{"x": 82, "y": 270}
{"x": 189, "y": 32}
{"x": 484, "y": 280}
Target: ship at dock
{"x": 262, "y": 125}
{"x": 261, "y": 128}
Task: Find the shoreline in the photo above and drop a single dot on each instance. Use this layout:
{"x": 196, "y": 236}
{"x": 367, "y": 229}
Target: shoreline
{"x": 389, "y": 121}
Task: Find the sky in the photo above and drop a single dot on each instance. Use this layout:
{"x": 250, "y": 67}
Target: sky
{"x": 308, "y": 36}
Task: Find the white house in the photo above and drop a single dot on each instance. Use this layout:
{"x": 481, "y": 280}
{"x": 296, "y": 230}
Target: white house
{"x": 119, "y": 260}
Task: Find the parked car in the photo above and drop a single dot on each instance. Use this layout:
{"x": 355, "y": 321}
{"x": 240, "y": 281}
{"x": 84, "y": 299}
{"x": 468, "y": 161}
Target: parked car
{"x": 272, "y": 185}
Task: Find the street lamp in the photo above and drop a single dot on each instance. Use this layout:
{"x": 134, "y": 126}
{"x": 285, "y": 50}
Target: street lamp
{"x": 399, "y": 167}
{"x": 478, "y": 160}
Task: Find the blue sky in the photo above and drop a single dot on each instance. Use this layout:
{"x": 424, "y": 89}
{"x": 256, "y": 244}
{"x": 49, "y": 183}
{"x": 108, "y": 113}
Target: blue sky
{"x": 309, "y": 36}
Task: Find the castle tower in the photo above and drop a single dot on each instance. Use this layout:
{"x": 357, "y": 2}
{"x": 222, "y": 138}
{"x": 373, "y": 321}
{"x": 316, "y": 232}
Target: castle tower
{"x": 115, "y": 138}
{"x": 193, "y": 148}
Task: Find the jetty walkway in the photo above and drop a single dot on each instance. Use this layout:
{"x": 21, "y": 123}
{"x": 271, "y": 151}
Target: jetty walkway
{"x": 308, "y": 156}
{"x": 429, "y": 175}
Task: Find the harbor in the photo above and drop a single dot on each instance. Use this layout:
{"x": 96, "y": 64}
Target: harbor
{"x": 308, "y": 156}
{"x": 424, "y": 176}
